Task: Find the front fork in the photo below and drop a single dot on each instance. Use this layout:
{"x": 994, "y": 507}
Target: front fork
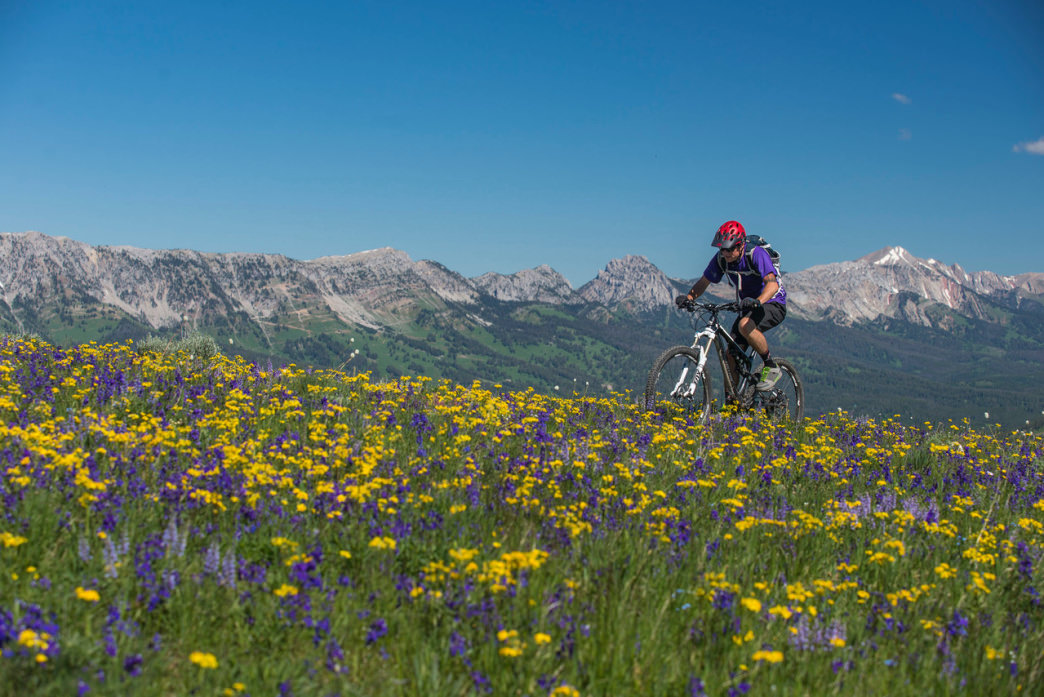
{"x": 687, "y": 388}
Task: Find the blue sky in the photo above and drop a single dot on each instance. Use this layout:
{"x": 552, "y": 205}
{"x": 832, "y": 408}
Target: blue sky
{"x": 497, "y": 136}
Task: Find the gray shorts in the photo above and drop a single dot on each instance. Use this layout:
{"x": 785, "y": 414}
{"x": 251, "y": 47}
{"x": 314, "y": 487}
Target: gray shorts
{"x": 765, "y": 317}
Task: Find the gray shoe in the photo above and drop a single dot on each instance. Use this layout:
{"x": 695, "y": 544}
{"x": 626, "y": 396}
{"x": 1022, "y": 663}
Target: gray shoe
{"x": 770, "y": 375}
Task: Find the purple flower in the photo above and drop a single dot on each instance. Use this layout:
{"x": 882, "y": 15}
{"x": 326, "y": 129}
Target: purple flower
{"x": 958, "y": 626}
{"x": 378, "y": 629}
{"x": 227, "y": 573}
{"x": 723, "y": 599}
{"x": 110, "y": 557}
{"x": 173, "y": 541}
{"x": 110, "y": 643}
{"x": 83, "y": 548}
{"x": 212, "y": 559}
{"x": 481, "y": 682}
{"x": 1025, "y": 560}
{"x": 334, "y": 657}
{"x": 132, "y": 664}
{"x": 458, "y": 644}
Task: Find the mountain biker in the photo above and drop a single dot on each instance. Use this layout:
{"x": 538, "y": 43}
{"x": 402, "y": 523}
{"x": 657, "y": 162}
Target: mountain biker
{"x": 763, "y": 302}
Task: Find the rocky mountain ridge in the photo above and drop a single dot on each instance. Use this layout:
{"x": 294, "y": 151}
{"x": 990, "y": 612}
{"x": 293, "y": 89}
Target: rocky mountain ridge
{"x": 377, "y": 288}
{"x": 541, "y": 284}
{"x": 892, "y": 283}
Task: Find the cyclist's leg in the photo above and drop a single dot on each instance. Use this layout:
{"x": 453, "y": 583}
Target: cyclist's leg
{"x": 758, "y": 321}
{"x": 772, "y": 314}
{"x": 745, "y": 330}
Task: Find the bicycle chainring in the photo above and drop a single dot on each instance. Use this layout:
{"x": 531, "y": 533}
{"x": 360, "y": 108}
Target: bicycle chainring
{"x": 775, "y": 402}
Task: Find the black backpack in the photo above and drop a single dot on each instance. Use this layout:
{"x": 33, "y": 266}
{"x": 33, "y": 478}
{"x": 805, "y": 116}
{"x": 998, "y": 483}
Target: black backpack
{"x": 752, "y": 242}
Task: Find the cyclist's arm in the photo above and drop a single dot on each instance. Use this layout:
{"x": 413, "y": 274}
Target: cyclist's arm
{"x": 698, "y": 288}
{"x": 770, "y": 289}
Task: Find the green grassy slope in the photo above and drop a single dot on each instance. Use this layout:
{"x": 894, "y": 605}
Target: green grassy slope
{"x": 881, "y": 368}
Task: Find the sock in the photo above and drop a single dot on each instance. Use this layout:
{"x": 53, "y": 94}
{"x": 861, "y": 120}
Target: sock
{"x": 767, "y": 360}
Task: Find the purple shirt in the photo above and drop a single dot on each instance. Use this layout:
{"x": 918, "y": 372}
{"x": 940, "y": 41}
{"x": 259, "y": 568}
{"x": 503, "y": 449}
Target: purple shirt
{"x": 750, "y": 284}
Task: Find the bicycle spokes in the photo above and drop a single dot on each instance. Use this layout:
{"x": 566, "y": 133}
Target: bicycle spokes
{"x": 686, "y": 385}
{"x": 676, "y": 379}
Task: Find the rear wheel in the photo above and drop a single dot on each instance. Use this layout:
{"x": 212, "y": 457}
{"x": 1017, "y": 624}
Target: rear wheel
{"x": 675, "y": 382}
{"x": 785, "y": 401}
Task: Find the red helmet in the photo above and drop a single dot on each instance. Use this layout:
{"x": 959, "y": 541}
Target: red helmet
{"x": 729, "y": 235}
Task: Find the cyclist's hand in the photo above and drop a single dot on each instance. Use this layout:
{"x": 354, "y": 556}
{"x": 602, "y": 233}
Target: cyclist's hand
{"x": 750, "y": 304}
{"x": 683, "y": 302}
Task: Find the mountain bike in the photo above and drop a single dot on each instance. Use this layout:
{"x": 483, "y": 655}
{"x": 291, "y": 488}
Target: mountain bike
{"x": 680, "y": 376}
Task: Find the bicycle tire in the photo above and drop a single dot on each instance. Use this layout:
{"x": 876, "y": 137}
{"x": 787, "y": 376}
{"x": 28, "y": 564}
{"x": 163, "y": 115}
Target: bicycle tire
{"x": 787, "y": 399}
{"x": 668, "y": 374}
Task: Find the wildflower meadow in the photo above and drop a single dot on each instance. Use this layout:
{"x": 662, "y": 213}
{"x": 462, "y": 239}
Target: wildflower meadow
{"x": 182, "y": 525}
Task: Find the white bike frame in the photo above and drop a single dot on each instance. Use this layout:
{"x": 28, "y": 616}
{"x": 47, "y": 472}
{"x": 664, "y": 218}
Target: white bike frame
{"x": 711, "y": 332}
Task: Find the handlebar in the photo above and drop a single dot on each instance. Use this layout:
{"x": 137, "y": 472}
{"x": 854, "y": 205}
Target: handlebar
{"x": 693, "y": 306}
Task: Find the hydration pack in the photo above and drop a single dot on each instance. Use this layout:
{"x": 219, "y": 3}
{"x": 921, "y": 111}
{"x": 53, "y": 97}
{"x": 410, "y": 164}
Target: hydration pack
{"x": 752, "y": 242}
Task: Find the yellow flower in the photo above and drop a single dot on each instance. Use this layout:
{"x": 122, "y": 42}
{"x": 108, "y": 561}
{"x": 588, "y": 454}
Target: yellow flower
{"x": 739, "y": 640}
{"x": 285, "y": 590}
{"x": 768, "y": 656}
{"x": 10, "y": 540}
{"x": 565, "y": 691}
{"x": 541, "y": 638}
{"x": 31, "y": 639}
{"x": 993, "y": 654}
{"x": 510, "y": 651}
{"x": 203, "y": 660}
{"x": 383, "y": 543}
{"x": 89, "y": 595}
{"x": 752, "y": 604}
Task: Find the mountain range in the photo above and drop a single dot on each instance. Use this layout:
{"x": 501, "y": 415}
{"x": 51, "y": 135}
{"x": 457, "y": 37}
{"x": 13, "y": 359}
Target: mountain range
{"x": 886, "y": 333}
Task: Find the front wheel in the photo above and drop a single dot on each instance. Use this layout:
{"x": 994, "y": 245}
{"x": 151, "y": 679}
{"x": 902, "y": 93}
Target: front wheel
{"x": 676, "y": 379}
{"x": 785, "y": 401}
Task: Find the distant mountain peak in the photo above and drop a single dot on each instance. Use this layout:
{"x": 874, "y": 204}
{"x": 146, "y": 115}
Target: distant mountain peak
{"x": 369, "y": 254}
{"x": 892, "y": 282}
{"x": 540, "y": 284}
{"x": 632, "y": 280}
{"x": 889, "y": 256}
